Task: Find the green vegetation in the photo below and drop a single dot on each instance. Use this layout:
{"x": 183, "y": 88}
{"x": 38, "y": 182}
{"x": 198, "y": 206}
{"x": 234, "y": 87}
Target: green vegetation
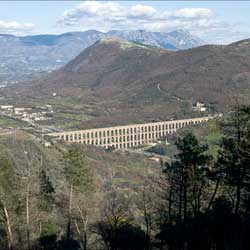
{"x": 75, "y": 197}
{"x": 161, "y": 149}
{"x": 37, "y": 179}
{"x": 10, "y": 122}
{"x": 208, "y": 133}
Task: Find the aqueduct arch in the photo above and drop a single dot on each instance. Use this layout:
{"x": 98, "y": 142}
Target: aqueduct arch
{"x": 122, "y": 137}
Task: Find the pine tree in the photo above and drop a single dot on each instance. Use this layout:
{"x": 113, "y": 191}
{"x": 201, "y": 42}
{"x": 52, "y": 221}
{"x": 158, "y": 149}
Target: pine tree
{"x": 79, "y": 178}
{"x": 233, "y": 158}
{"x": 47, "y": 191}
{"x": 191, "y": 166}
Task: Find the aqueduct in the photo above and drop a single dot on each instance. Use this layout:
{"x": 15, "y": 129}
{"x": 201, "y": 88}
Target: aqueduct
{"x": 122, "y": 137}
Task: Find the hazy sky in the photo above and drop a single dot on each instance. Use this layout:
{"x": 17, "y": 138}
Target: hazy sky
{"x": 213, "y": 21}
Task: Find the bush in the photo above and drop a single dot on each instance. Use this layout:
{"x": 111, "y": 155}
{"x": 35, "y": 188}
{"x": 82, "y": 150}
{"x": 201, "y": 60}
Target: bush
{"x": 124, "y": 237}
{"x": 158, "y": 149}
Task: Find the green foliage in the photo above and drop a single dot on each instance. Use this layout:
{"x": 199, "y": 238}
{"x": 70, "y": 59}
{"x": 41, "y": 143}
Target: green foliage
{"x": 7, "y": 177}
{"x": 233, "y": 159}
{"x": 217, "y": 187}
{"x": 160, "y": 149}
{"x": 76, "y": 170}
{"x": 190, "y": 152}
{"x": 49, "y": 228}
{"x": 47, "y": 191}
{"x": 198, "y": 203}
{"x": 186, "y": 177}
{"x": 124, "y": 237}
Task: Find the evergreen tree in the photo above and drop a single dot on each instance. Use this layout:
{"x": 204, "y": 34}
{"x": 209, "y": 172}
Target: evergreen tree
{"x": 191, "y": 165}
{"x": 187, "y": 181}
{"x": 47, "y": 191}
{"x": 233, "y": 157}
{"x": 79, "y": 178}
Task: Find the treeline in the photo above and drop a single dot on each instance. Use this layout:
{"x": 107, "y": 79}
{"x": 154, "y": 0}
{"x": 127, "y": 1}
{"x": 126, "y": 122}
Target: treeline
{"x": 199, "y": 201}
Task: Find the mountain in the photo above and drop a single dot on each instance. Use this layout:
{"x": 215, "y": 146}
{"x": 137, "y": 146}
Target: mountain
{"x": 22, "y": 57}
{"x": 175, "y": 40}
{"x": 115, "y": 81}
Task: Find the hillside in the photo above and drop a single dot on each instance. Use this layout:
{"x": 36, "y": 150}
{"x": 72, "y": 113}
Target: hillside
{"x": 23, "y": 57}
{"x": 126, "y": 172}
{"x": 115, "y": 82}
{"x": 19, "y": 146}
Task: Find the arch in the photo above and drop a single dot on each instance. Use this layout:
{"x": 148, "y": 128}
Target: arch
{"x": 126, "y": 136}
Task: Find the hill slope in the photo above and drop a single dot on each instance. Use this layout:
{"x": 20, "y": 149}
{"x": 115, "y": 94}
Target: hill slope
{"x": 115, "y": 77}
{"x": 22, "y": 57}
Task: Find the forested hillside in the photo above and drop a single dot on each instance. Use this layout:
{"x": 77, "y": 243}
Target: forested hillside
{"x": 78, "y": 197}
{"x": 36, "y": 184}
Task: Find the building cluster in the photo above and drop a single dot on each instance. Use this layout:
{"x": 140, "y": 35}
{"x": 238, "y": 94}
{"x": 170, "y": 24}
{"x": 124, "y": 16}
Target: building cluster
{"x": 5, "y": 83}
{"x": 39, "y": 113}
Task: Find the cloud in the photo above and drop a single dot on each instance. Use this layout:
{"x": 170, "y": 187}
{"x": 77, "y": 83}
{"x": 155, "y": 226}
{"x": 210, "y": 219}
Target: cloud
{"x": 113, "y": 10}
{"x": 105, "y": 16}
{"x": 193, "y": 13}
{"x": 87, "y": 11}
{"x": 15, "y": 27}
{"x": 114, "y": 15}
{"x": 142, "y": 11}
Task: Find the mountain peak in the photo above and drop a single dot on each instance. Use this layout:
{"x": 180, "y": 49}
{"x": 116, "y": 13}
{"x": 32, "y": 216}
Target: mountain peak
{"x": 180, "y": 31}
{"x": 111, "y": 39}
{"x": 174, "y": 40}
{"x": 124, "y": 44}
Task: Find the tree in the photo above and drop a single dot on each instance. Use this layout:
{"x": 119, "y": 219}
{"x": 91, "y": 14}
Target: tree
{"x": 125, "y": 237}
{"x": 46, "y": 197}
{"x": 48, "y": 237}
{"x": 7, "y": 198}
{"x": 234, "y": 154}
{"x": 47, "y": 191}
{"x": 147, "y": 206}
{"x": 79, "y": 178}
{"x": 191, "y": 165}
{"x": 186, "y": 178}
{"x": 116, "y": 228}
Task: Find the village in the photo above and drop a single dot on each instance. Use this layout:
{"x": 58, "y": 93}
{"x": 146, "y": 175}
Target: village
{"x": 27, "y": 114}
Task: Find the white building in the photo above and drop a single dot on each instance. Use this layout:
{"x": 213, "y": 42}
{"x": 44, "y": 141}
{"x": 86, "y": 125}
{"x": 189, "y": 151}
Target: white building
{"x": 199, "y": 106}
{"x": 6, "y": 107}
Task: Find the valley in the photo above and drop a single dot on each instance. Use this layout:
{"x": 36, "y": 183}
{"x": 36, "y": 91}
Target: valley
{"x": 144, "y": 82}
{"x": 124, "y": 140}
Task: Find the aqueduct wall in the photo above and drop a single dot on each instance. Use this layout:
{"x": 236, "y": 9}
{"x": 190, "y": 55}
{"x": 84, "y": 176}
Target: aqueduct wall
{"x": 126, "y": 136}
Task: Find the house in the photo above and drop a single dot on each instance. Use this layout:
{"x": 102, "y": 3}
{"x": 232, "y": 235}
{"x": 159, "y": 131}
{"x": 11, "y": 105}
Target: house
{"x": 200, "y": 107}
{"x": 6, "y": 107}
{"x": 47, "y": 144}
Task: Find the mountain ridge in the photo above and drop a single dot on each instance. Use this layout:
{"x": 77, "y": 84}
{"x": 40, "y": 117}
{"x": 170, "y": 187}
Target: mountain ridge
{"x": 117, "y": 84}
{"x": 24, "y": 57}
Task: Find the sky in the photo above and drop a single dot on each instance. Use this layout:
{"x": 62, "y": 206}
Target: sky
{"x": 219, "y": 22}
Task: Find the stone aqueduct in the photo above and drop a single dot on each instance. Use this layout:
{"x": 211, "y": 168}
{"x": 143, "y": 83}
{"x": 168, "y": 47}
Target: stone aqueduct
{"x": 122, "y": 137}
